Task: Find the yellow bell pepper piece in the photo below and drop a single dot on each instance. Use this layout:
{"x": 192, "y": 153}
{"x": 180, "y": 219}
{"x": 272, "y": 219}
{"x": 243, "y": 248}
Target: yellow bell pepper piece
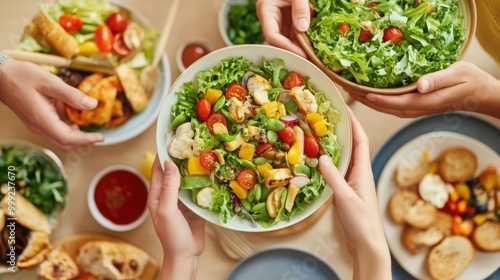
{"x": 246, "y": 151}
{"x": 195, "y": 168}
{"x": 317, "y": 124}
{"x": 293, "y": 155}
{"x": 274, "y": 109}
{"x": 463, "y": 191}
{"x": 89, "y": 48}
{"x": 238, "y": 190}
{"x": 479, "y": 219}
{"x": 263, "y": 168}
{"x": 212, "y": 95}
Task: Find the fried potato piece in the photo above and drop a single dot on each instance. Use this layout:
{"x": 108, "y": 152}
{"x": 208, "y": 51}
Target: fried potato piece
{"x": 60, "y": 40}
{"x": 89, "y": 82}
{"x": 105, "y": 93}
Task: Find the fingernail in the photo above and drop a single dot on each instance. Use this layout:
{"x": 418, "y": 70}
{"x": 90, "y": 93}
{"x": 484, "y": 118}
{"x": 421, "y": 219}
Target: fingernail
{"x": 324, "y": 159}
{"x": 89, "y": 102}
{"x": 371, "y": 97}
{"x": 424, "y": 85}
{"x": 95, "y": 137}
{"x": 169, "y": 168}
{"x": 302, "y": 24}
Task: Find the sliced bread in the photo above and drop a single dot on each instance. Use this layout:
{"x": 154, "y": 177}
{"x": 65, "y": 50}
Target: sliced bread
{"x": 450, "y": 257}
{"x": 487, "y": 236}
{"x": 400, "y": 203}
{"x": 457, "y": 164}
{"x": 409, "y": 174}
{"x": 414, "y": 239}
{"x": 421, "y": 214}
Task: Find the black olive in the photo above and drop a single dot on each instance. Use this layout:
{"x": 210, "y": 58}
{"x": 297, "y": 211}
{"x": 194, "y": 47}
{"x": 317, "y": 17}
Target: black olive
{"x": 468, "y": 215}
{"x": 472, "y": 182}
{"x": 481, "y": 208}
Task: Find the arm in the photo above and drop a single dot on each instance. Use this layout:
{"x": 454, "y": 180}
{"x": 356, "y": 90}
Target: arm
{"x": 35, "y": 95}
{"x": 460, "y": 87}
{"x": 356, "y": 205}
{"x": 276, "y": 17}
{"x": 181, "y": 232}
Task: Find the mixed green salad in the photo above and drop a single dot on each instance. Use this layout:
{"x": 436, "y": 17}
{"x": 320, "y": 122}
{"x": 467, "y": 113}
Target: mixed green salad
{"x": 243, "y": 25}
{"x": 386, "y": 43}
{"x": 36, "y": 178}
{"x": 248, "y": 138}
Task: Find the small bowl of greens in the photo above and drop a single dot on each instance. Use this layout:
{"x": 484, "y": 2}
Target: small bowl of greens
{"x": 239, "y": 24}
{"x": 34, "y": 172}
{"x": 385, "y": 46}
{"x": 246, "y": 126}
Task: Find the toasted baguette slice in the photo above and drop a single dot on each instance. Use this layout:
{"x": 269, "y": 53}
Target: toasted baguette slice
{"x": 443, "y": 223}
{"x": 408, "y": 174}
{"x": 487, "y": 236}
{"x": 450, "y": 257}
{"x": 27, "y": 214}
{"x": 421, "y": 214}
{"x": 415, "y": 239}
{"x": 58, "y": 266}
{"x": 60, "y": 40}
{"x": 457, "y": 164}
{"x": 400, "y": 203}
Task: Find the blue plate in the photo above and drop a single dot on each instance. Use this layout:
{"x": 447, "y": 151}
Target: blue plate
{"x": 466, "y": 124}
{"x": 282, "y": 263}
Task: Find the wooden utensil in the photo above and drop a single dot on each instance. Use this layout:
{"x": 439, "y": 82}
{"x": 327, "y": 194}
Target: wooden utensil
{"x": 150, "y": 75}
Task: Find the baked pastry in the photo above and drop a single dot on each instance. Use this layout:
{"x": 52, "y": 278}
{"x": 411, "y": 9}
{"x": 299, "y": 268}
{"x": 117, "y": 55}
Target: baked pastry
{"x": 60, "y": 40}
{"x": 487, "y": 236}
{"x": 112, "y": 260}
{"x": 58, "y": 265}
{"x": 38, "y": 246}
{"x": 457, "y": 164}
{"x": 450, "y": 257}
{"x": 27, "y": 214}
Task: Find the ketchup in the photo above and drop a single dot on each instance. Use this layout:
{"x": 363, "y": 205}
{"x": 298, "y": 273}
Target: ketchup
{"x": 191, "y": 53}
{"x": 121, "y": 197}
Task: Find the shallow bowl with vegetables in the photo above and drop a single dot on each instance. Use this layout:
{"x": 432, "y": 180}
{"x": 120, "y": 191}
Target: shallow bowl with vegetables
{"x": 246, "y": 125}
{"x": 385, "y": 46}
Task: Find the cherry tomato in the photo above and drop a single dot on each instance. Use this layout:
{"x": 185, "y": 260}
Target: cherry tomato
{"x": 215, "y": 118}
{"x": 236, "y": 90}
{"x": 104, "y": 38}
{"x": 286, "y": 134}
{"x": 344, "y": 28}
{"x": 261, "y": 148}
{"x": 293, "y": 80}
{"x": 373, "y": 5}
{"x": 208, "y": 159}
{"x": 119, "y": 46}
{"x": 393, "y": 34}
{"x": 203, "y": 109}
{"x": 70, "y": 23}
{"x": 365, "y": 35}
{"x": 247, "y": 178}
{"x": 117, "y": 22}
{"x": 311, "y": 146}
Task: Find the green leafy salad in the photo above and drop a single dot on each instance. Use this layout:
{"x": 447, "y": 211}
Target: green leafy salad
{"x": 244, "y": 25}
{"x": 248, "y": 138}
{"x": 36, "y": 178}
{"x": 386, "y": 43}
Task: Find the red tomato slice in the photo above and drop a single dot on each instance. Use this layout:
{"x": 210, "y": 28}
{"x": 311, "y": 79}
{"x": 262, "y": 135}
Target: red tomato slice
{"x": 286, "y": 134}
{"x": 393, "y": 34}
{"x": 261, "y": 148}
{"x": 203, "y": 109}
{"x": 344, "y": 28}
{"x": 236, "y": 90}
{"x": 119, "y": 46}
{"x": 208, "y": 159}
{"x": 215, "y": 118}
{"x": 70, "y": 23}
{"x": 247, "y": 178}
{"x": 293, "y": 80}
{"x": 117, "y": 22}
{"x": 104, "y": 38}
{"x": 373, "y": 5}
{"x": 311, "y": 146}
{"x": 365, "y": 35}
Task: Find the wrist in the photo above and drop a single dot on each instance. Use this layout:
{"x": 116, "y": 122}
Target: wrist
{"x": 3, "y": 58}
{"x": 179, "y": 268}
{"x": 372, "y": 261}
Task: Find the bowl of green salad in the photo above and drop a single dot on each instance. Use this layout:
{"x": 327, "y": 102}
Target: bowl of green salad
{"x": 239, "y": 24}
{"x": 246, "y": 126}
{"x": 385, "y": 46}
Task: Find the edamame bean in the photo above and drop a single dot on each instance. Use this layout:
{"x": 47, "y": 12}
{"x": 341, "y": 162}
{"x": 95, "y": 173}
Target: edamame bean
{"x": 259, "y": 160}
{"x": 246, "y": 204}
{"x": 180, "y": 119}
{"x": 258, "y": 207}
{"x": 274, "y": 125}
{"x": 219, "y": 104}
{"x": 225, "y": 137}
{"x": 265, "y": 192}
{"x": 251, "y": 195}
{"x": 302, "y": 169}
{"x": 246, "y": 163}
{"x": 258, "y": 192}
{"x": 272, "y": 136}
{"x": 226, "y": 114}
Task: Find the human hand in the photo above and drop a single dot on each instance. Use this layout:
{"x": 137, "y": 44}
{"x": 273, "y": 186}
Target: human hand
{"x": 276, "y": 18}
{"x": 181, "y": 232}
{"x": 460, "y": 87}
{"x": 355, "y": 201}
{"x": 33, "y": 94}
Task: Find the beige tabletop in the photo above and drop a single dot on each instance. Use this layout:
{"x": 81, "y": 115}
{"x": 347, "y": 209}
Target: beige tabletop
{"x": 196, "y": 19}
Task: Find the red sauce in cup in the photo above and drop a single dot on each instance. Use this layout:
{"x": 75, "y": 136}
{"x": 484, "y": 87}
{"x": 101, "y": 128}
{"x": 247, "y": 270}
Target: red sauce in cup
{"x": 193, "y": 52}
{"x": 121, "y": 197}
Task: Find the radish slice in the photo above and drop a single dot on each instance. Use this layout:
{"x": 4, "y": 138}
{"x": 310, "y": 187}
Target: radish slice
{"x": 300, "y": 180}
{"x": 289, "y": 120}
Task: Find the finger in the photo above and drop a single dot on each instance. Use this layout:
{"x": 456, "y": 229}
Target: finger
{"x": 301, "y": 15}
{"x": 59, "y": 90}
{"x": 155, "y": 187}
{"x": 169, "y": 188}
{"x": 334, "y": 179}
{"x": 441, "y": 79}
{"x": 402, "y": 113}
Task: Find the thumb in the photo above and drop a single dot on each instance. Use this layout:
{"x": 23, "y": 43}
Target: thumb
{"x": 440, "y": 79}
{"x": 333, "y": 177}
{"x": 169, "y": 189}
{"x": 301, "y": 14}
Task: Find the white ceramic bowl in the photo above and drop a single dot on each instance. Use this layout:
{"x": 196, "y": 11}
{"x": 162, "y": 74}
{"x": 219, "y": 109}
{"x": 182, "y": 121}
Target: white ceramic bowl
{"x": 255, "y": 53}
{"x": 223, "y": 20}
{"x": 97, "y": 215}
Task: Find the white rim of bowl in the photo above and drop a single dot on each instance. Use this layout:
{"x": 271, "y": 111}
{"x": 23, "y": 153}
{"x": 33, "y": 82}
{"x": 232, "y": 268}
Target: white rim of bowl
{"x": 94, "y": 211}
